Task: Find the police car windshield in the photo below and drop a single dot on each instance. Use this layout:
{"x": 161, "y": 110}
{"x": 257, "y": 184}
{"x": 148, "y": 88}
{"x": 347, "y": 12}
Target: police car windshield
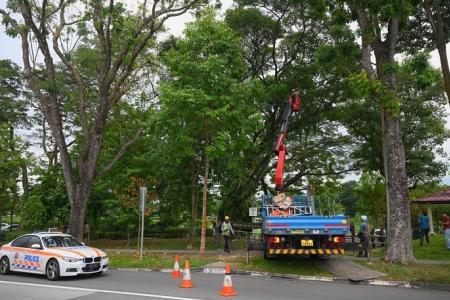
{"x": 61, "y": 241}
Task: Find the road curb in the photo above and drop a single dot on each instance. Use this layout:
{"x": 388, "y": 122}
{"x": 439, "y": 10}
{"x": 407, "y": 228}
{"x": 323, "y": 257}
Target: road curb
{"x": 373, "y": 282}
{"x": 410, "y": 285}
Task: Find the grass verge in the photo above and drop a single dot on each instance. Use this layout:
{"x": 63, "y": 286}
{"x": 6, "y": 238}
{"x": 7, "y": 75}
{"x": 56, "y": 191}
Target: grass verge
{"x": 412, "y": 273}
{"x": 166, "y": 244}
{"x": 435, "y": 250}
{"x": 297, "y": 266}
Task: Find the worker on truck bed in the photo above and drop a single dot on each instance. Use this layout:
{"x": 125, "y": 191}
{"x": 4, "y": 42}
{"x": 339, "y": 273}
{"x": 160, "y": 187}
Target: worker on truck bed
{"x": 364, "y": 237}
{"x": 226, "y": 231}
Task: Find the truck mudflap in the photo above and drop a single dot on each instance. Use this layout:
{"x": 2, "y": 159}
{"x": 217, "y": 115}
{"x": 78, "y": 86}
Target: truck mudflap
{"x": 306, "y": 251}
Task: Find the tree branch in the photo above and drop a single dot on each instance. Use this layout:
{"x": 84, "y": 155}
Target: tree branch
{"x": 78, "y": 79}
{"x": 298, "y": 176}
{"x": 121, "y": 152}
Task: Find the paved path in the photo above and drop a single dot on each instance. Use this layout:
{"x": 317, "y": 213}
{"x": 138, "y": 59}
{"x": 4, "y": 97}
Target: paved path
{"x": 348, "y": 269}
{"x": 115, "y": 285}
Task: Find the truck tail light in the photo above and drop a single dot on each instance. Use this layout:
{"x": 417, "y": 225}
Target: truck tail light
{"x": 274, "y": 240}
{"x": 339, "y": 239}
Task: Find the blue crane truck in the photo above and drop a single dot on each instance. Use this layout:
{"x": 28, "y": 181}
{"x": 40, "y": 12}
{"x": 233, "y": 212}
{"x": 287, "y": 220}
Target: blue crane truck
{"x": 296, "y": 230}
{"x": 290, "y": 225}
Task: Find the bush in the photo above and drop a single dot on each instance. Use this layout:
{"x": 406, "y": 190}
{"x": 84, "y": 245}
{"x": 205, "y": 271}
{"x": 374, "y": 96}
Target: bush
{"x": 33, "y": 213}
{"x": 11, "y": 235}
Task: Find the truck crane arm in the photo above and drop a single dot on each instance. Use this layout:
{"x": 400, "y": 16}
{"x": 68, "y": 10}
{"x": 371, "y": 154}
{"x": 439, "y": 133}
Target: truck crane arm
{"x": 280, "y": 148}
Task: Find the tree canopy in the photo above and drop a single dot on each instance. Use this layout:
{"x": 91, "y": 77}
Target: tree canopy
{"x": 113, "y": 105}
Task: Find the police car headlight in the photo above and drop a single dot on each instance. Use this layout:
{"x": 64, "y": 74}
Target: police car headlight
{"x": 72, "y": 259}
{"x": 104, "y": 257}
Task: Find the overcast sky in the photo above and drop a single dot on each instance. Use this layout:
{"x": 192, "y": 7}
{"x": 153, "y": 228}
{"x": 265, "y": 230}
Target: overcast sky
{"x": 10, "y": 49}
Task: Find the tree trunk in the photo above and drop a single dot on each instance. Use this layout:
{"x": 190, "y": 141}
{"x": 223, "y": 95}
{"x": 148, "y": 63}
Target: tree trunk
{"x": 194, "y": 200}
{"x": 437, "y": 25}
{"x": 399, "y": 219}
{"x": 445, "y": 68}
{"x": 14, "y": 177}
{"x": 25, "y": 182}
{"x": 205, "y": 194}
{"x": 77, "y": 211}
{"x": 399, "y": 214}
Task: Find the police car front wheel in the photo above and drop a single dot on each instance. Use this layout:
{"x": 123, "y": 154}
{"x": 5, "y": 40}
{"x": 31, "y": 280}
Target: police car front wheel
{"x": 4, "y": 266}
{"x": 52, "y": 270}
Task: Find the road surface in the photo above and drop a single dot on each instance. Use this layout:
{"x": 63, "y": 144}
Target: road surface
{"x": 133, "y": 285}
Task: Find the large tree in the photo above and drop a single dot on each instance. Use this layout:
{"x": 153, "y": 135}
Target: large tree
{"x": 117, "y": 42}
{"x": 204, "y": 101}
{"x": 379, "y": 23}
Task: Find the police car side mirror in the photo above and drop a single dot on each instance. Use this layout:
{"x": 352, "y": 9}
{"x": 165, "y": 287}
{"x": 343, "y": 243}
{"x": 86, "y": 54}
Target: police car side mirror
{"x": 36, "y": 246}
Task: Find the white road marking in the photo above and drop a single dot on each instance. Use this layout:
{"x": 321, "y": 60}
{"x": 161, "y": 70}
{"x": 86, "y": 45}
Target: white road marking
{"x": 98, "y": 291}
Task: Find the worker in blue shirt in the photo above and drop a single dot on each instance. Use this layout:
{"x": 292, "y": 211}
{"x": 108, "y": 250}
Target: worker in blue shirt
{"x": 424, "y": 226}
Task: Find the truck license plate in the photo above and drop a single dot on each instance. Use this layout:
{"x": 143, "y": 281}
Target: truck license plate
{"x": 297, "y": 231}
{"x": 307, "y": 243}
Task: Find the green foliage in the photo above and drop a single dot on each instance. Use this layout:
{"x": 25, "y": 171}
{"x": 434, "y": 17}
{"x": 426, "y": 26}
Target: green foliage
{"x": 370, "y": 196}
{"x": 362, "y": 86}
{"x": 327, "y": 199}
{"x": 291, "y": 44}
{"x": 47, "y": 203}
{"x": 34, "y": 214}
{"x": 422, "y": 106}
{"x": 222, "y": 91}
{"x": 417, "y": 34}
{"x": 12, "y": 105}
{"x": 347, "y": 198}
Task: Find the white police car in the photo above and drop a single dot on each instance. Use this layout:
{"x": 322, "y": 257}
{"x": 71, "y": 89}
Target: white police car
{"x": 52, "y": 254}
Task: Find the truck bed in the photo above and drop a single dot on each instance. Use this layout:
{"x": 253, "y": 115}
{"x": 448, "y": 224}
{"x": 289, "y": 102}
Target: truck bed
{"x": 306, "y": 225}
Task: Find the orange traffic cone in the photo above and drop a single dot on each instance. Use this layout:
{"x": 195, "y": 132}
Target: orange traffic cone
{"x": 187, "y": 282}
{"x": 228, "y": 289}
{"x": 176, "y": 268}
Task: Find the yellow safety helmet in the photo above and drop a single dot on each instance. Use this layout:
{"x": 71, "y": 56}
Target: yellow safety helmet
{"x": 227, "y": 218}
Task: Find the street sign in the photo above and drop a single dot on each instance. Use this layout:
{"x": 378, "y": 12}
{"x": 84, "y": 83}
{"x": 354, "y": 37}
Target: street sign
{"x": 142, "y": 198}
{"x": 252, "y": 211}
